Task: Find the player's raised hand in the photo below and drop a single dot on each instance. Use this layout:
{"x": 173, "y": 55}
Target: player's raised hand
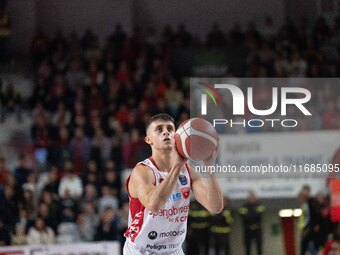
{"x": 212, "y": 159}
{"x": 177, "y": 160}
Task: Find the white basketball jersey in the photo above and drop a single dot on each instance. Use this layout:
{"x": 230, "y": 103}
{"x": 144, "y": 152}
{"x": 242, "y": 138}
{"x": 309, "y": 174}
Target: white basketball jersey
{"x": 161, "y": 232}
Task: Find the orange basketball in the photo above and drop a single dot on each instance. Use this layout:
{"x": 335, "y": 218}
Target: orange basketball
{"x": 196, "y": 139}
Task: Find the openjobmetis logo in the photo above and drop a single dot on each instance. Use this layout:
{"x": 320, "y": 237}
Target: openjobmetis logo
{"x": 281, "y": 97}
{"x": 213, "y": 94}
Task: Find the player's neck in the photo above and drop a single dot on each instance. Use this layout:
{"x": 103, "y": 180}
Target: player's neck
{"x": 163, "y": 160}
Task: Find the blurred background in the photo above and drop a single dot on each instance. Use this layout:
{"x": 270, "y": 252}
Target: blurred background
{"x": 79, "y": 79}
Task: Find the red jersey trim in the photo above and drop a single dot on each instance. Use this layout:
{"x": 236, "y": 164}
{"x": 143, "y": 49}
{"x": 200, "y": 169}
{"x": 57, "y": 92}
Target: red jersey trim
{"x": 137, "y": 211}
{"x": 154, "y": 163}
{"x": 188, "y": 169}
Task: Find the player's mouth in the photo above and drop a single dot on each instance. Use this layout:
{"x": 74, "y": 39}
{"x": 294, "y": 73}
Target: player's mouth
{"x": 167, "y": 139}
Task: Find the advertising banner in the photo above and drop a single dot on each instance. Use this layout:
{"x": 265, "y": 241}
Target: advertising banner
{"x": 276, "y": 164}
{"x": 101, "y": 248}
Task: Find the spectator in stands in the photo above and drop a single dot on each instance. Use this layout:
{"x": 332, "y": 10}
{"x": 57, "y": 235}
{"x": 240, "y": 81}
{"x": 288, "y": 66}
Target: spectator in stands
{"x": 92, "y": 167}
{"x": 59, "y": 59}
{"x": 102, "y": 144}
{"x": 134, "y": 149}
{"x": 29, "y": 202}
{"x": 112, "y": 179}
{"x": 107, "y": 200}
{"x": 4, "y": 172}
{"x": 31, "y": 184}
{"x": 332, "y": 246}
{"x": 57, "y": 93}
{"x": 90, "y": 195}
{"x": 122, "y": 115}
{"x": 215, "y": 37}
{"x": 95, "y": 101}
{"x": 70, "y": 182}
{"x": 52, "y": 204}
{"x": 75, "y": 74}
{"x": 22, "y": 171}
{"x": 12, "y": 182}
{"x": 68, "y": 207}
{"x": 174, "y": 98}
{"x": 182, "y": 36}
{"x": 9, "y": 207}
{"x": 40, "y": 233}
{"x": 108, "y": 227}
{"x": 321, "y": 234}
{"x": 39, "y": 47}
{"x": 85, "y": 228}
{"x": 221, "y": 229}
{"x": 251, "y": 213}
{"x": 309, "y": 220}
{"x": 117, "y": 147}
{"x": 23, "y": 219}
{"x": 11, "y": 102}
{"x": 297, "y": 67}
{"x": 52, "y": 185}
{"x": 91, "y": 216}
{"x": 5, "y": 238}
{"x": 19, "y": 237}
{"x": 62, "y": 116}
{"x": 81, "y": 148}
{"x": 61, "y": 150}
{"x": 198, "y": 229}
{"x": 117, "y": 38}
{"x": 91, "y": 178}
{"x": 41, "y": 131}
{"x": 44, "y": 213}
{"x": 87, "y": 39}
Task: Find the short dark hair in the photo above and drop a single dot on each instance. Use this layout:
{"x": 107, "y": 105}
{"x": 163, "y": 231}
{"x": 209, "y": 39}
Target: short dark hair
{"x": 160, "y": 116}
{"x": 306, "y": 187}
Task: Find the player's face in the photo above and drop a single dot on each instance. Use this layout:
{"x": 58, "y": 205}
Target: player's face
{"x": 160, "y": 134}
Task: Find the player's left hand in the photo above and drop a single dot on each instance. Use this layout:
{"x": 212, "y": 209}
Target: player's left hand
{"x": 212, "y": 159}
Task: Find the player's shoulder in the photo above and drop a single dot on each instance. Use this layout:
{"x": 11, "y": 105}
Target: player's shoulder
{"x": 142, "y": 171}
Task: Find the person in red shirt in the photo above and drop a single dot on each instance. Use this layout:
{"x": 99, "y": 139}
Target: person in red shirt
{"x": 332, "y": 247}
{"x": 4, "y": 172}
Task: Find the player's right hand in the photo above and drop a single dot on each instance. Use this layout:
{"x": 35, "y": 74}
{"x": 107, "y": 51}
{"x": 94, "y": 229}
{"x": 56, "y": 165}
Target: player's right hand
{"x": 177, "y": 160}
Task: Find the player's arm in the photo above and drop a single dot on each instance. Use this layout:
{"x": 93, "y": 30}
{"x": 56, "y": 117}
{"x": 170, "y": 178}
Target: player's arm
{"x": 142, "y": 186}
{"x": 207, "y": 191}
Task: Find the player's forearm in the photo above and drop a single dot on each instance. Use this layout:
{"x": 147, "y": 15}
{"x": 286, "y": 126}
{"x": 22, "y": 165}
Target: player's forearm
{"x": 214, "y": 195}
{"x": 160, "y": 195}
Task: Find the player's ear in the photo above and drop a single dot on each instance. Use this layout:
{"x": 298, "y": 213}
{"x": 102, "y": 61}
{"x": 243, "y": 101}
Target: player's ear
{"x": 147, "y": 139}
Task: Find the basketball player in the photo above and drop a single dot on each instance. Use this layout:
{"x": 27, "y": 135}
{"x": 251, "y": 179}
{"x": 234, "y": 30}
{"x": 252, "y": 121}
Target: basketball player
{"x": 159, "y": 191}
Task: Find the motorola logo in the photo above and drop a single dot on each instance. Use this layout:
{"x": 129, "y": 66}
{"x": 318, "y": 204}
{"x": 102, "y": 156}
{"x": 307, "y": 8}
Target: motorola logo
{"x": 153, "y": 235}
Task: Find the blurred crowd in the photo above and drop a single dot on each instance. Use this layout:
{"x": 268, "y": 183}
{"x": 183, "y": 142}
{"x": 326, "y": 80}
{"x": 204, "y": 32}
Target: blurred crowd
{"x": 90, "y": 103}
{"x": 316, "y": 232}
